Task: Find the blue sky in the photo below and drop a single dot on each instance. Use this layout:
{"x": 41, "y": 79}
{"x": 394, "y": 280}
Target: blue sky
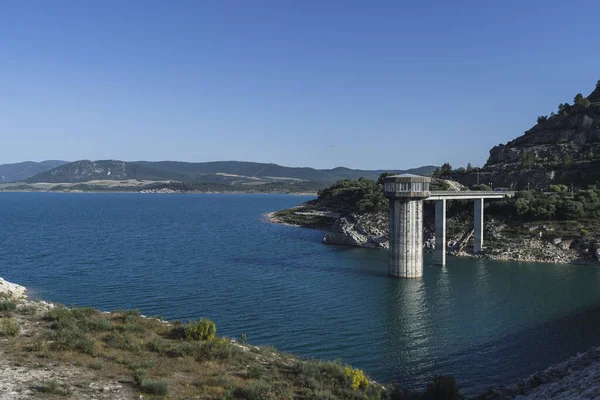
{"x": 321, "y": 83}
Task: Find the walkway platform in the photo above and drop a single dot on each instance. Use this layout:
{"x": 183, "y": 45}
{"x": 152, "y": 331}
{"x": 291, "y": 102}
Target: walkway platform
{"x": 467, "y": 195}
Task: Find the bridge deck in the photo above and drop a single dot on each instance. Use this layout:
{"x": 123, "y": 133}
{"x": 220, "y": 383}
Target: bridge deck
{"x": 467, "y": 195}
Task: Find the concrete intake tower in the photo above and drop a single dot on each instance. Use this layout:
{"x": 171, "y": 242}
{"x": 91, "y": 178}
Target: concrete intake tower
{"x": 406, "y": 194}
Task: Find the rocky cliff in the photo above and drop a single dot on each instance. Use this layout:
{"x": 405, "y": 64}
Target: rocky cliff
{"x": 562, "y": 148}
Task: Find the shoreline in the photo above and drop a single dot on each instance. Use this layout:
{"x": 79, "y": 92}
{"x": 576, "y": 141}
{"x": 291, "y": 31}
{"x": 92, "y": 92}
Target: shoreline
{"x": 574, "y": 377}
{"x": 12, "y": 290}
{"x": 35, "y": 358}
{"x": 488, "y": 253}
{"x": 157, "y": 192}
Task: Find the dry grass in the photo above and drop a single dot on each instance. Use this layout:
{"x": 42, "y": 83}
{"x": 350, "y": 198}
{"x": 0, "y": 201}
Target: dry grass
{"x": 155, "y": 359}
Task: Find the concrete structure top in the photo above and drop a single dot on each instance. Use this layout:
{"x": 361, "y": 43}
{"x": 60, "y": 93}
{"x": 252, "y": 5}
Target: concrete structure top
{"x": 407, "y": 178}
{"x": 467, "y": 195}
{"x": 406, "y": 186}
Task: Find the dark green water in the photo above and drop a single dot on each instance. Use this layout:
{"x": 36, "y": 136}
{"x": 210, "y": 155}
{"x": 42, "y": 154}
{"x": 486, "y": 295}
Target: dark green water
{"x": 185, "y": 256}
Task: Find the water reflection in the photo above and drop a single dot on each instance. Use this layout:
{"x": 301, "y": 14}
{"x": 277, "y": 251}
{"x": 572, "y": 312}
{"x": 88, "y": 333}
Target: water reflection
{"x": 408, "y": 327}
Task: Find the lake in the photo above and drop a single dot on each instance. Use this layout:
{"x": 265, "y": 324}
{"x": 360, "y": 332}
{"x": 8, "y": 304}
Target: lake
{"x": 183, "y": 257}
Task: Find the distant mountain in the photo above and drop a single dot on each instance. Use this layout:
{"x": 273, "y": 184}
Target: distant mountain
{"x": 228, "y": 172}
{"x": 263, "y": 170}
{"x": 85, "y": 170}
{"x": 23, "y": 170}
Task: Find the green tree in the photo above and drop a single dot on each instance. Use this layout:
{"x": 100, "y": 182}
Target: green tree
{"x": 526, "y": 159}
{"x": 581, "y": 102}
{"x": 443, "y": 388}
{"x": 481, "y": 187}
{"x": 446, "y": 169}
{"x": 522, "y": 206}
{"x": 542, "y": 118}
{"x": 382, "y": 176}
{"x": 558, "y": 188}
{"x": 563, "y": 109}
{"x": 567, "y": 160}
{"x": 570, "y": 210}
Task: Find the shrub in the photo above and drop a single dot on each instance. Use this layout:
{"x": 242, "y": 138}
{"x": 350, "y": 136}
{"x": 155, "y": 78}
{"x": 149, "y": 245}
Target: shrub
{"x": 83, "y": 319}
{"x": 121, "y": 341}
{"x": 38, "y": 344}
{"x": 27, "y": 310}
{"x": 258, "y": 390}
{"x": 155, "y": 386}
{"x": 71, "y": 337}
{"x": 219, "y": 349}
{"x": 442, "y": 387}
{"x": 584, "y": 232}
{"x": 10, "y": 327}
{"x": 139, "y": 375}
{"x": 7, "y": 305}
{"x": 204, "y": 329}
{"x": 357, "y": 378}
{"x": 157, "y": 346}
{"x": 570, "y": 210}
{"x": 97, "y": 365}
{"x": 256, "y": 371}
{"x": 52, "y": 386}
{"x": 481, "y": 187}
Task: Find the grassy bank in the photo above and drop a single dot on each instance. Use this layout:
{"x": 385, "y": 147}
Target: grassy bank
{"x": 156, "y": 359}
{"x": 49, "y": 351}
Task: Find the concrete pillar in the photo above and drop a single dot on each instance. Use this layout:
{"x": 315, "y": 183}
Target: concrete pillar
{"x": 440, "y": 232}
{"x": 478, "y": 235}
{"x": 405, "y": 256}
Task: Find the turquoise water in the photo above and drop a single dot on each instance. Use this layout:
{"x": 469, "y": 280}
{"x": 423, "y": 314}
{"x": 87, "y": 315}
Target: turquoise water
{"x": 186, "y": 256}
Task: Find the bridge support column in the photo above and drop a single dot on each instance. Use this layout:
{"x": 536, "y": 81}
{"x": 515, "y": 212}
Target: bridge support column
{"x": 405, "y": 256}
{"x": 440, "y": 232}
{"x": 478, "y": 235}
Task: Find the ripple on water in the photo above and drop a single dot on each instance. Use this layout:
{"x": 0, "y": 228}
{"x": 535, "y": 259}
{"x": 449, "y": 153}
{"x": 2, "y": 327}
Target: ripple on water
{"x": 188, "y": 256}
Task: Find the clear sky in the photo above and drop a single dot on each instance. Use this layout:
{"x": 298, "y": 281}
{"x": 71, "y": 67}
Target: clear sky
{"x": 321, "y": 83}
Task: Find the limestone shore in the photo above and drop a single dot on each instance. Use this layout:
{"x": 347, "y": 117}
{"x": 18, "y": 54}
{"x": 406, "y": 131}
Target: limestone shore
{"x": 535, "y": 243}
{"x": 11, "y": 290}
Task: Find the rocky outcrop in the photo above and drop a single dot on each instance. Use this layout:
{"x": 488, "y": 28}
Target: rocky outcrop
{"x": 575, "y": 378}
{"x": 11, "y": 290}
{"x": 560, "y": 149}
{"x": 528, "y": 242}
{"x": 368, "y": 230}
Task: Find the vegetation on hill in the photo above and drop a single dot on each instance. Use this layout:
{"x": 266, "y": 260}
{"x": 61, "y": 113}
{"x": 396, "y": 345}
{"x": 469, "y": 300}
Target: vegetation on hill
{"x": 581, "y": 104}
{"x": 562, "y": 148}
{"x": 153, "y": 358}
{"x": 557, "y": 205}
{"x": 85, "y": 170}
{"x": 20, "y": 171}
{"x": 222, "y": 176}
{"x": 350, "y": 196}
{"x": 268, "y": 170}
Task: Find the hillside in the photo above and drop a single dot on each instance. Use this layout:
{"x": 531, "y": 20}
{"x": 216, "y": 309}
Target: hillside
{"x": 270, "y": 171}
{"x": 562, "y": 148}
{"x": 219, "y": 172}
{"x": 85, "y": 170}
{"x": 20, "y": 171}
